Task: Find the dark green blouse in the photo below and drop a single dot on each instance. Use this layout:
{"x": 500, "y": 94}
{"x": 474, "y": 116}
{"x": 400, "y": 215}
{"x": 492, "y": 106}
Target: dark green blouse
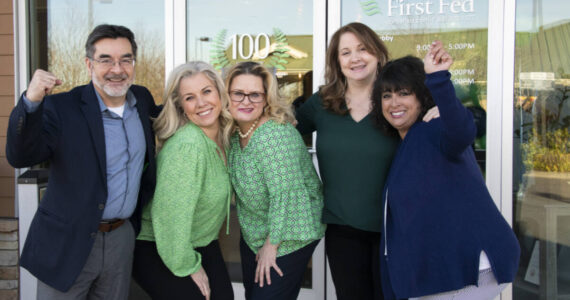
{"x": 354, "y": 159}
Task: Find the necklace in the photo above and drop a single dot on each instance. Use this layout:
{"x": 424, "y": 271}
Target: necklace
{"x": 245, "y": 135}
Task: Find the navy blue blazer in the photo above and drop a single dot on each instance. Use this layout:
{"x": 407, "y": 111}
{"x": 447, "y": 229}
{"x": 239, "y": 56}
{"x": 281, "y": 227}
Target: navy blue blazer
{"x": 440, "y": 215}
{"x": 67, "y": 130}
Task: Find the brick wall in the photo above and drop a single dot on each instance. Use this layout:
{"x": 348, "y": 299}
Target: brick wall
{"x": 8, "y": 259}
{"x": 7, "y": 184}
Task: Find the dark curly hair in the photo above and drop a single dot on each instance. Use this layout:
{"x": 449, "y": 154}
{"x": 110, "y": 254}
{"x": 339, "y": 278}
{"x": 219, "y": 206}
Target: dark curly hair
{"x": 399, "y": 74}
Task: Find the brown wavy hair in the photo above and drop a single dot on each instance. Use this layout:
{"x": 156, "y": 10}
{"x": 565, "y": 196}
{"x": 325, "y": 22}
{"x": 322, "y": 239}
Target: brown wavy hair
{"x": 332, "y": 92}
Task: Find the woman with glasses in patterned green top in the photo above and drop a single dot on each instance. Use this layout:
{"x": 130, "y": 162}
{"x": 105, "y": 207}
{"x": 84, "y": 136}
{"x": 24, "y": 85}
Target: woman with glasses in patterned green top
{"x": 278, "y": 193}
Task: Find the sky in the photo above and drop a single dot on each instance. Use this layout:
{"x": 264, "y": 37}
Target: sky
{"x": 208, "y": 18}
{"x": 205, "y": 18}
{"x": 293, "y": 17}
{"x": 135, "y": 14}
{"x": 553, "y": 11}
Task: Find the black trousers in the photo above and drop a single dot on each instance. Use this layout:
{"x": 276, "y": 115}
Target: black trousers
{"x": 158, "y": 281}
{"x": 354, "y": 259}
{"x": 293, "y": 266}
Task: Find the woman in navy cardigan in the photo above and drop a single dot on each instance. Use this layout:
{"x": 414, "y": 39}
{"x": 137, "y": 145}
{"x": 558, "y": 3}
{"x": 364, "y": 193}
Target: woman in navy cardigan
{"x": 443, "y": 235}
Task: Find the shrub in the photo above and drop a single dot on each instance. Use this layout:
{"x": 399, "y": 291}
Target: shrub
{"x": 548, "y": 152}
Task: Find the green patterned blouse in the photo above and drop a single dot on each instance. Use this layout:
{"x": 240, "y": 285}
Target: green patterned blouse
{"x": 190, "y": 202}
{"x": 278, "y": 192}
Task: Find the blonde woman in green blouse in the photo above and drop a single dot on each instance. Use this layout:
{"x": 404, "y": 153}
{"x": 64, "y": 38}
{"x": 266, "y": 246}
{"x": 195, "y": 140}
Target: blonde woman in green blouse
{"x": 278, "y": 193}
{"x": 177, "y": 255}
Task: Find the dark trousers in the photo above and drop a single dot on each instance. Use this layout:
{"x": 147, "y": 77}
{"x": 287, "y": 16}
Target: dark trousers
{"x": 158, "y": 281}
{"x": 354, "y": 259}
{"x": 293, "y": 266}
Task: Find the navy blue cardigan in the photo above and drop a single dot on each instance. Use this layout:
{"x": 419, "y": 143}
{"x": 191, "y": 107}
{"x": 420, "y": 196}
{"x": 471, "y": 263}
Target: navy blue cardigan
{"x": 440, "y": 214}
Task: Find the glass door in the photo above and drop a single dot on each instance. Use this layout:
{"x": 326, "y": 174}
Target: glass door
{"x": 409, "y": 27}
{"x": 541, "y": 149}
{"x": 280, "y": 35}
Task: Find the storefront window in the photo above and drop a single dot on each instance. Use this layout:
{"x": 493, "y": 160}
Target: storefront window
{"x": 278, "y": 34}
{"x": 60, "y": 29}
{"x": 541, "y": 149}
{"x": 408, "y": 27}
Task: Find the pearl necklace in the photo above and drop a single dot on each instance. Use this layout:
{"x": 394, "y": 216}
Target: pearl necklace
{"x": 245, "y": 135}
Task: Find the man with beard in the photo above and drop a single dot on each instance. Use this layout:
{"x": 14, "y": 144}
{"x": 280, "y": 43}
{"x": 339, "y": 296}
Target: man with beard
{"x": 99, "y": 143}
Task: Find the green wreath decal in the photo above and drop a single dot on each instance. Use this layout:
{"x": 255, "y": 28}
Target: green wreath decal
{"x": 278, "y": 57}
{"x": 218, "y": 50}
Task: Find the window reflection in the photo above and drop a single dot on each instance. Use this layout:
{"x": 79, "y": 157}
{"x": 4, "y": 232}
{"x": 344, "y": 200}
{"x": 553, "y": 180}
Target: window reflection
{"x": 541, "y": 156}
{"x": 63, "y": 26}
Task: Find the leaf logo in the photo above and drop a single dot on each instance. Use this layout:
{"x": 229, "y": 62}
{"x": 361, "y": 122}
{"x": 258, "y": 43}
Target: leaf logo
{"x": 218, "y": 50}
{"x": 370, "y": 7}
{"x": 278, "y": 56}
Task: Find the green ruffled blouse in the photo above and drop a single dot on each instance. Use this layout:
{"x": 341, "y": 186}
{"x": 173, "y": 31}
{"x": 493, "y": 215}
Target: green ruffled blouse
{"x": 278, "y": 192}
{"x": 191, "y": 199}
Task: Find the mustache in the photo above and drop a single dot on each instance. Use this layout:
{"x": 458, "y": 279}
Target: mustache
{"x": 116, "y": 76}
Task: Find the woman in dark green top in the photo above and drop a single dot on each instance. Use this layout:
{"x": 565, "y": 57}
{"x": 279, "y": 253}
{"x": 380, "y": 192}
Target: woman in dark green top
{"x": 278, "y": 193}
{"x": 354, "y": 158}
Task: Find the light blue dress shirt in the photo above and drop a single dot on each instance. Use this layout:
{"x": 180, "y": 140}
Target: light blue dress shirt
{"x": 125, "y": 148}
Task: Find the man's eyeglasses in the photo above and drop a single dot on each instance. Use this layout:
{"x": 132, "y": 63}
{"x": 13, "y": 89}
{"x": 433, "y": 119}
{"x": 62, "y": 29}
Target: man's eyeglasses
{"x": 255, "y": 97}
{"x": 109, "y": 63}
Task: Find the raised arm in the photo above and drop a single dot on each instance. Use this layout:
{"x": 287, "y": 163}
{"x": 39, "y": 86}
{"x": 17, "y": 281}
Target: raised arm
{"x": 41, "y": 85}
{"x": 33, "y": 126}
{"x": 458, "y": 126}
{"x": 437, "y": 59}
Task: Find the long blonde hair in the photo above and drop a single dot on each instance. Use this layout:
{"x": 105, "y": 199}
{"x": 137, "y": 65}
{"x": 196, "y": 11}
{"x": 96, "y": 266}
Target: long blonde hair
{"x": 277, "y": 108}
{"x": 172, "y": 116}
